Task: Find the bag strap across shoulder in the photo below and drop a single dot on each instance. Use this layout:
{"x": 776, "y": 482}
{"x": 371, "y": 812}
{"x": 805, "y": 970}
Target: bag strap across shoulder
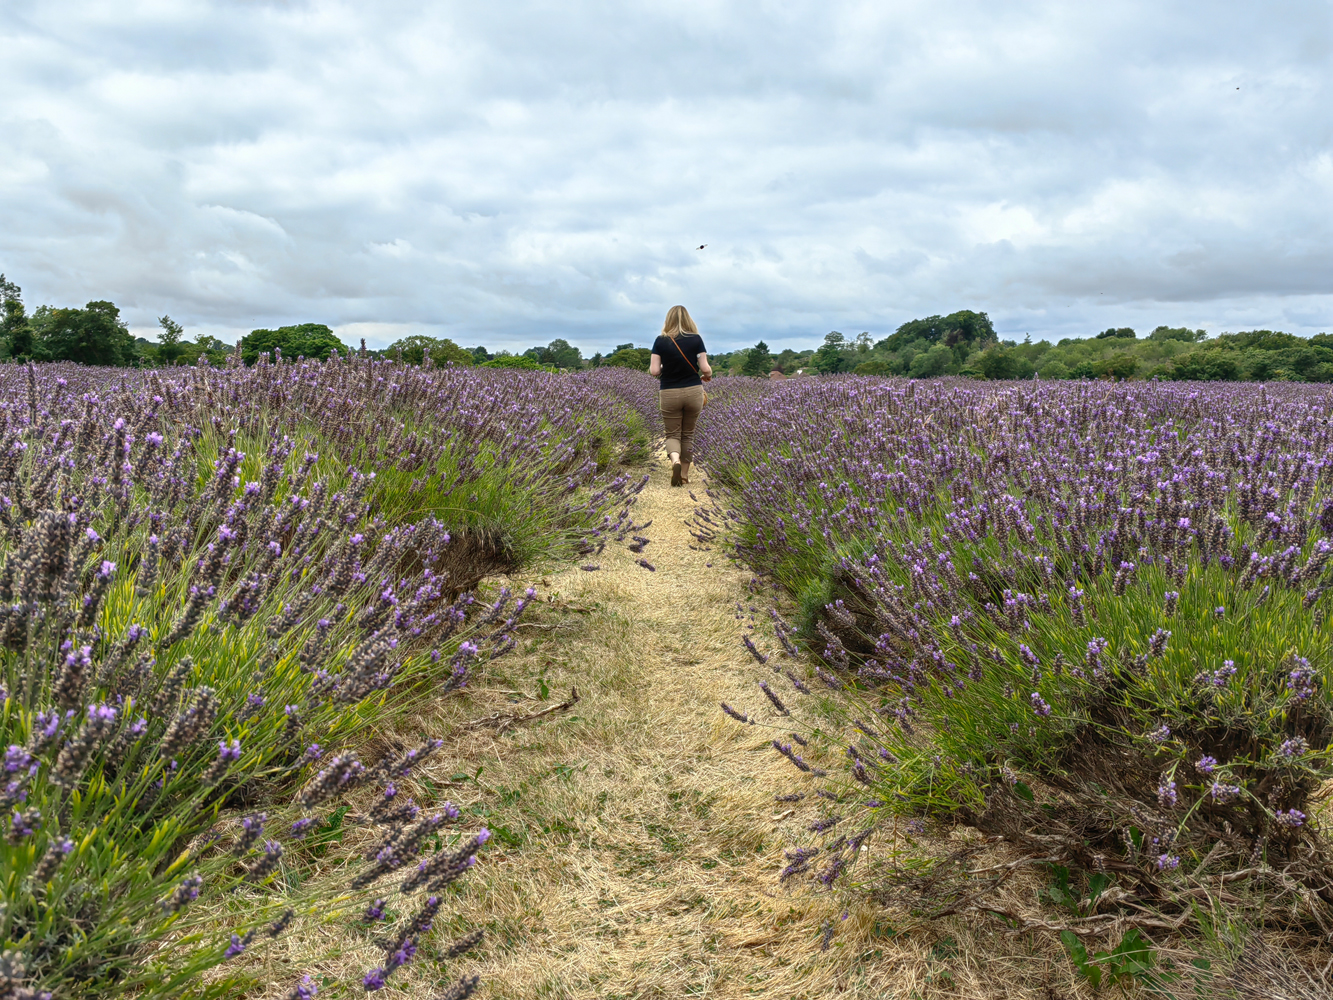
{"x": 682, "y": 354}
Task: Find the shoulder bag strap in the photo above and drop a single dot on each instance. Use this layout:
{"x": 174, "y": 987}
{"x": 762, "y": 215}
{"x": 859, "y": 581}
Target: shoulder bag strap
{"x": 692, "y": 365}
{"x": 682, "y": 354}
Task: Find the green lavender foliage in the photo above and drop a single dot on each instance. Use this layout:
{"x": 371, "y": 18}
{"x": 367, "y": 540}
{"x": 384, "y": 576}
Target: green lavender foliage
{"x": 211, "y": 583}
{"x": 1090, "y": 619}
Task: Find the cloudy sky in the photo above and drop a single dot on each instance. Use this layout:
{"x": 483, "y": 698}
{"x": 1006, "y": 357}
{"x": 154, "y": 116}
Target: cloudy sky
{"x": 508, "y": 172}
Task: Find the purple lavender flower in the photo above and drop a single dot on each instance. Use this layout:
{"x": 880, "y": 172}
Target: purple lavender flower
{"x": 1159, "y": 735}
{"x": 1076, "y": 607}
{"x": 1206, "y": 764}
{"x": 238, "y": 945}
{"x": 1221, "y": 793}
{"x": 1093, "y": 658}
{"x": 184, "y": 893}
{"x": 23, "y": 825}
{"x": 1290, "y": 819}
{"x": 252, "y": 828}
{"x": 16, "y": 759}
{"x": 1166, "y": 794}
{"x": 373, "y": 980}
{"x": 1293, "y": 748}
{"x": 1301, "y": 681}
{"x": 1157, "y": 644}
{"x": 754, "y": 650}
{"x": 773, "y": 697}
{"x": 738, "y": 716}
{"x": 1039, "y": 705}
{"x": 302, "y": 827}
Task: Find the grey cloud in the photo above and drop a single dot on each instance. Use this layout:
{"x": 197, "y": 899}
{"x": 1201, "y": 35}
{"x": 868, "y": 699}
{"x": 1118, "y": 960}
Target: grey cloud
{"x": 509, "y": 173}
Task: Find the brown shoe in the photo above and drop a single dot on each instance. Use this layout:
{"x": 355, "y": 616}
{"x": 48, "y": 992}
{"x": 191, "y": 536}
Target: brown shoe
{"x": 675, "y": 474}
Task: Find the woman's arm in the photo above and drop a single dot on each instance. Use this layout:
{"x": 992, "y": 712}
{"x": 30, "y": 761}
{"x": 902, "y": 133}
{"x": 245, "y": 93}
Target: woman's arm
{"x": 705, "y": 369}
{"x": 655, "y": 365}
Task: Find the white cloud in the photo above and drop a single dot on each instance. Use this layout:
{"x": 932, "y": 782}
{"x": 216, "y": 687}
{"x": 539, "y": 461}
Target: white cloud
{"x": 509, "y": 173}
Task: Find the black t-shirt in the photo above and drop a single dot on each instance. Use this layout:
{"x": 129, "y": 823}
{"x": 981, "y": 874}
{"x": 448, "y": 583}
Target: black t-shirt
{"x": 677, "y": 373}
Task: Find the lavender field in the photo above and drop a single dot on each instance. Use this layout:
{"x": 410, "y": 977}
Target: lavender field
{"x": 1088, "y": 619}
{"x": 214, "y": 580}
{"x": 1065, "y": 638}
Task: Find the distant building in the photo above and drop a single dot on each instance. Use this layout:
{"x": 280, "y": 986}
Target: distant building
{"x": 773, "y": 376}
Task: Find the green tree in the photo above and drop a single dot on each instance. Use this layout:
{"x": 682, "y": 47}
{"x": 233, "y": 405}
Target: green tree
{"x": 1210, "y": 366}
{"x": 758, "y": 361}
{"x": 629, "y": 356}
{"x": 93, "y": 335}
{"x": 965, "y": 331}
{"x": 1118, "y": 366}
{"x": 873, "y": 367}
{"x": 169, "y": 340}
{"x": 1261, "y": 340}
{"x": 211, "y": 344}
{"x": 939, "y": 360}
{"x": 828, "y": 360}
{"x": 442, "y": 350}
{"x": 310, "y": 340}
{"x": 1120, "y": 333}
{"x": 14, "y": 326}
{"x": 1053, "y": 370}
{"x": 480, "y": 355}
{"x": 1178, "y": 333}
{"x": 563, "y": 354}
{"x": 559, "y": 353}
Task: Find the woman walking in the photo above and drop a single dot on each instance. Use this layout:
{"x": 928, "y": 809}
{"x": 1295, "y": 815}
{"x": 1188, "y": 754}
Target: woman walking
{"x": 681, "y": 362}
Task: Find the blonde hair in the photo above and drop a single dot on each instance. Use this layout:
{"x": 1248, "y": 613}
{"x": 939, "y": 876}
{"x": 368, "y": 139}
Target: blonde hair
{"x": 677, "y": 322}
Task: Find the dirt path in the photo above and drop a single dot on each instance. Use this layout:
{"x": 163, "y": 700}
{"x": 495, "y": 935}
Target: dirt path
{"x": 637, "y": 840}
{"x": 651, "y": 849}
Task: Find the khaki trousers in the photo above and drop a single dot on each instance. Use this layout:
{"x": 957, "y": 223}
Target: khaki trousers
{"x": 680, "y": 409}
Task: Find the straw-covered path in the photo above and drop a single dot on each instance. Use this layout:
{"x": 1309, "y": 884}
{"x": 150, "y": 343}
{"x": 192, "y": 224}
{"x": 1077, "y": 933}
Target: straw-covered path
{"x": 637, "y": 837}
{"x": 656, "y": 872}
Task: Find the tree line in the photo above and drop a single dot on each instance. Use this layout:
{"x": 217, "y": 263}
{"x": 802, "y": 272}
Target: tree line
{"x": 965, "y": 343}
{"x": 962, "y": 343}
{"x": 97, "y": 335}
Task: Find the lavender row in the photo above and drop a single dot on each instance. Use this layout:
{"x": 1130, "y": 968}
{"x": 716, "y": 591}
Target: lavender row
{"x": 212, "y": 579}
{"x": 1089, "y": 618}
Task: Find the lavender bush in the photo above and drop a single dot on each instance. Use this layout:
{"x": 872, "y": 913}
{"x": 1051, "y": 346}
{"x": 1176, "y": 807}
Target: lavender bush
{"x": 213, "y": 578}
{"x": 1089, "y": 618}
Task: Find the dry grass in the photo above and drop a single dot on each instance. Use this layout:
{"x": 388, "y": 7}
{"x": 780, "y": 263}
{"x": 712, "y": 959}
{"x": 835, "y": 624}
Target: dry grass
{"x": 638, "y": 840}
